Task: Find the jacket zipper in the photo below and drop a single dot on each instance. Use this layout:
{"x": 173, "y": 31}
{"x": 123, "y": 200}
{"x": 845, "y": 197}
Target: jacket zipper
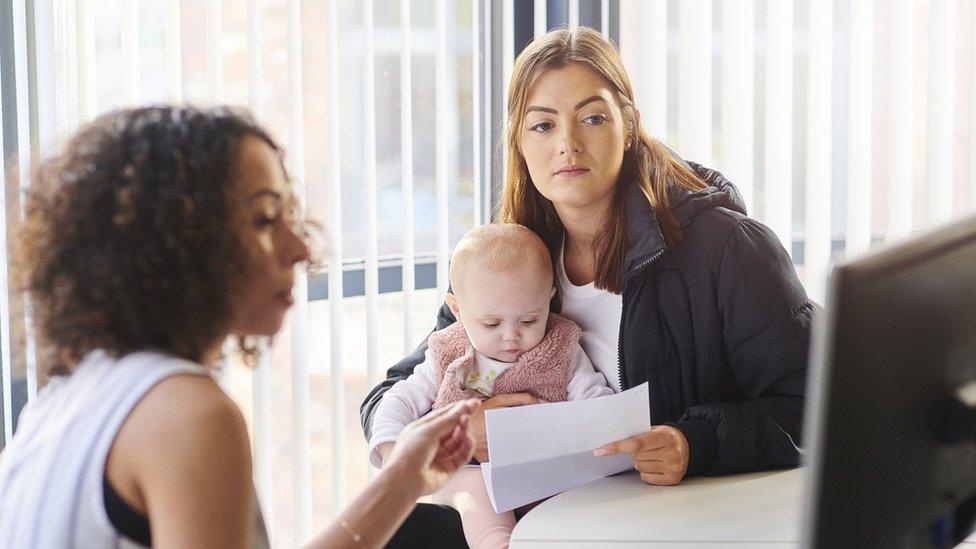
{"x": 647, "y": 262}
{"x": 620, "y": 338}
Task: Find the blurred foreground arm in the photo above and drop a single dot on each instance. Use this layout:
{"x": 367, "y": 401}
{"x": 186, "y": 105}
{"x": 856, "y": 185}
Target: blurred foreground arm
{"x": 426, "y": 454}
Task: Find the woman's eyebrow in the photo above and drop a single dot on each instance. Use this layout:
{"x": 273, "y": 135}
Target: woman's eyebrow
{"x": 578, "y": 106}
{"x": 264, "y": 192}
{"x": 589, "y": 100}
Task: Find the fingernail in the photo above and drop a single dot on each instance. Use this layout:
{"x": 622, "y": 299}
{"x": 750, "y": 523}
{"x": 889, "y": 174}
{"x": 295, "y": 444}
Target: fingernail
{"x": 599, "y": 452}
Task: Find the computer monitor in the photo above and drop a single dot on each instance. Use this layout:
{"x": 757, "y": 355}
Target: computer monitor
{"x": 897, "y": 339}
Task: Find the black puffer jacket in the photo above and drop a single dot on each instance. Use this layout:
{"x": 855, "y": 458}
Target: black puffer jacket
{"x": 719, "y": 326}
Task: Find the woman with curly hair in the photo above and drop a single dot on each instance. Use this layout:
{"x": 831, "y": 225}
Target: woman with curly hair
{"x": 156, "y": 234}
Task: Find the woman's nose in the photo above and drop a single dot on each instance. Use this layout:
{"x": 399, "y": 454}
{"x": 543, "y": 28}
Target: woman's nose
{"x": 294, "y": 249}
{"x": 569, "y": 143}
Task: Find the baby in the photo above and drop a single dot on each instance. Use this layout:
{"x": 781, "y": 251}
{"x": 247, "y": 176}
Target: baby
{"x": 505, "y": 341}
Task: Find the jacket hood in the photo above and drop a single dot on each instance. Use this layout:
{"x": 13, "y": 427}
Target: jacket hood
{"x": 645, "y": 231}
{"x": 720, "y": 193}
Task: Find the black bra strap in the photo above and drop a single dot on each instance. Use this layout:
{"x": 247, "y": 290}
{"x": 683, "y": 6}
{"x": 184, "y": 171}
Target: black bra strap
{"x": 124, "y": 518}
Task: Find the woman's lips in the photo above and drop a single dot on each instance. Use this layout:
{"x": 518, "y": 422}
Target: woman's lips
{"x": 572, "y": 171}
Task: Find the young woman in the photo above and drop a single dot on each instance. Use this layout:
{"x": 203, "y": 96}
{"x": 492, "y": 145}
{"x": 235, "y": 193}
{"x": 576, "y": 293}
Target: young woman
{"x": 658, "y": 263}
{"x": 154, "y": 236}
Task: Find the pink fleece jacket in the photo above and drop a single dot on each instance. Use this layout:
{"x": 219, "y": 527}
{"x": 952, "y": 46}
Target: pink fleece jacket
{"x": 543, "y": 371}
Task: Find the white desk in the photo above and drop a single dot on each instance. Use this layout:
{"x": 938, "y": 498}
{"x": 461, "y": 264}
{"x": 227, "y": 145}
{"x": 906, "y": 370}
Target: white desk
{"x": 756, "y": 509}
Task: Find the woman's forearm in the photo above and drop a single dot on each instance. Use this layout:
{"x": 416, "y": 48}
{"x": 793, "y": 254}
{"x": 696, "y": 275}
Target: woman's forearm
{"x": 427, "y": 452}
{"x": 375, "y": 514}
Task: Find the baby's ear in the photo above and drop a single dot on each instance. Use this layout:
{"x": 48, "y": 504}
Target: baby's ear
{"x": 553, "y": 292}
{"x": 452, "y": 304}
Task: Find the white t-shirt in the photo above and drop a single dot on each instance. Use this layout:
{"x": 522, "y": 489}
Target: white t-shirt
{"x": 413, "y": 397}
{"x": 597, "y": 313}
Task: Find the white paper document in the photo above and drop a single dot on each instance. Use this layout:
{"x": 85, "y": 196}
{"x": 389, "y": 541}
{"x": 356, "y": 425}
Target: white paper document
{"x": 541, "y": 450}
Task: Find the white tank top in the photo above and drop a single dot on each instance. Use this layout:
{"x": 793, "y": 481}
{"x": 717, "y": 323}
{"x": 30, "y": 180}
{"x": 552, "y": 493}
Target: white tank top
{"x": 51, "y": 472}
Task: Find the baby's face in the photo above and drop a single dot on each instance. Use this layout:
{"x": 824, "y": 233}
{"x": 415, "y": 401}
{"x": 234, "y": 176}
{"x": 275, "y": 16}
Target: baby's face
{"x": 504, "y": 313}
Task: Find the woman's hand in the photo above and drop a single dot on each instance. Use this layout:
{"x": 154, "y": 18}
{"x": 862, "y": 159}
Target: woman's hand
{"x": 476, "y": 426}
{"x": 661, "y": 454}
{"x": 427, "y": 452}
{"x": 435, "y": 446}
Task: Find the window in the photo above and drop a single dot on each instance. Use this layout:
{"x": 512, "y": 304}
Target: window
{"x": 846, "y": 124}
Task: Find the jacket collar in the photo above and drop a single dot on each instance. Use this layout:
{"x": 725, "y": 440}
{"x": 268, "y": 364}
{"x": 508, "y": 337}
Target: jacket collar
{"x": 646, "y": 239}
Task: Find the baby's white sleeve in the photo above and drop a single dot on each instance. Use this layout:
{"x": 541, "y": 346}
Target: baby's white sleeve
{"x": 404, "y": 402}
{"x": 586, "y": 381}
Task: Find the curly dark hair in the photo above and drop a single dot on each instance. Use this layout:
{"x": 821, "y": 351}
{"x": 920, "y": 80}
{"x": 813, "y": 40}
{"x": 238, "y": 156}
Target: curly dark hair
{"x": 128, "y": 242}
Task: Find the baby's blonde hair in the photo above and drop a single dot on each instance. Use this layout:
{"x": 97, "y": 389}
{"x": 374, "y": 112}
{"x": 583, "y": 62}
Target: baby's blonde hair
{"x": 499, "y": 247}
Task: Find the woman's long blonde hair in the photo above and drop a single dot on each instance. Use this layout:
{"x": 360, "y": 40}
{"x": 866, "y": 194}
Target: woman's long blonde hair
{"x": 647, "y": 163}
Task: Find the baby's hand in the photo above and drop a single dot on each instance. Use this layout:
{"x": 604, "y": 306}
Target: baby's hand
{"x": 476, "y": 426}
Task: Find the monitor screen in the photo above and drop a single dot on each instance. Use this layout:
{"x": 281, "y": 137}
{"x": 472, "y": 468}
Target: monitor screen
{"x": 898, "y": 337}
